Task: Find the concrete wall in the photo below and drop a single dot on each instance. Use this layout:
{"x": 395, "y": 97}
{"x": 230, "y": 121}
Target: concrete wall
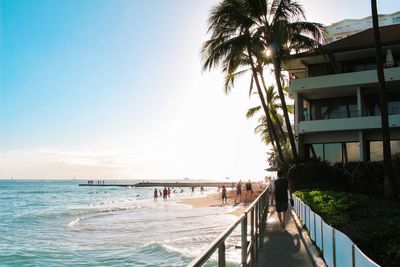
{"x": 352, "y": 79}
{"x": 346, "y": 124}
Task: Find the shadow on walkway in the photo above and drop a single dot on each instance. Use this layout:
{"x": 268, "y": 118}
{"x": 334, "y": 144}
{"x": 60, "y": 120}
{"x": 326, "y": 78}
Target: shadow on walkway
{"x": 283, "y": 247}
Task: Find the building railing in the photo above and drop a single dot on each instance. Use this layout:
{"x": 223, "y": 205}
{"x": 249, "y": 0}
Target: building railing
{"x": 349, "y": 114}
{"x": 252, "y": 224}
{"x": 337, "y": 248}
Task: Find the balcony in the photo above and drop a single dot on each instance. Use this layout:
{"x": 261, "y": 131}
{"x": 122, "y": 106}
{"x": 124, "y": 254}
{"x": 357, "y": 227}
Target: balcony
{"x": 349, "y": 114}
{"x": 339, "y": 84}
{"x": 343, "y": 121}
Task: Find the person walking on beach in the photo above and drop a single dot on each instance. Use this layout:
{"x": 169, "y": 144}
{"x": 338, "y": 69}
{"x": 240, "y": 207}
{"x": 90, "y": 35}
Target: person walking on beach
{"x": 224, "y": 196}
{"x": 165, "y": 193}
{"x": 238, "y": 191}
{"x": 249, "y": 190}
{"x": 155, "y": 195}
{"x": 280, "y": 193}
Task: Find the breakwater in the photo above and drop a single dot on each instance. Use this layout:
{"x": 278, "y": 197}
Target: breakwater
{"x": 165, "y": 184}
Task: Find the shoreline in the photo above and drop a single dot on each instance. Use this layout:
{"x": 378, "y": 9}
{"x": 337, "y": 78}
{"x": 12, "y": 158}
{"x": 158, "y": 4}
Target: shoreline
{"x": 214, "y": 200}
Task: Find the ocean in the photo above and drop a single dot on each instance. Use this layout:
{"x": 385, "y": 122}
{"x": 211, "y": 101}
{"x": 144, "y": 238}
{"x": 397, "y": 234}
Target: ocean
{"x": 58, "y": 223}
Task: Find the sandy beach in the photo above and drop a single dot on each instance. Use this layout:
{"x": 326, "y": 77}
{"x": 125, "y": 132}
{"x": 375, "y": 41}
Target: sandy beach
{"x": 214, "y": 199}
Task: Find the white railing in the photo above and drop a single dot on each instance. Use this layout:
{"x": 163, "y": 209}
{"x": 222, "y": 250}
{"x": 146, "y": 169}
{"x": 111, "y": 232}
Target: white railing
{"x": 337, "y": 248}
{"x": 254, "y": 217}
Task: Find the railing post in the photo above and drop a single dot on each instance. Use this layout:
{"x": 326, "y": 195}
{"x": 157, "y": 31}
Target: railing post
{"x": 334, "y": 247}
{"x": 252, "y": 254}
{"x": 221, "y": 255}
{"x": 315, "y": 229}
{"x": 257, "y": 239}
{"x": 244, "y": 241}
{"x": 322, "y": 237}
{"x": 260, "y": 216}
{"x": 353, "y": 256}
{"x": 301, "y": 211}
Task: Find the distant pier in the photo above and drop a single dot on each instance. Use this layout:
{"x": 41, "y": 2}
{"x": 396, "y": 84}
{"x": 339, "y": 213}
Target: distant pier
{"x": 166, "y": 184}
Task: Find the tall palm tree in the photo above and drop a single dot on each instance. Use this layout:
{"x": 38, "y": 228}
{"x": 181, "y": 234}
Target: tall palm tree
{"x": 282, "y": 31}
{"x": 232, "y": 43}
{"x": 387, "y": 161}
{"x": 274, "y": 105}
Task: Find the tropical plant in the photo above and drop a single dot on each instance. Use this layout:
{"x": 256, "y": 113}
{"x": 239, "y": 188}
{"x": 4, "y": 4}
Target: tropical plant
{"x": 388, "y": 176}
{"x": 232, "y": 43}
{"x": 241, "y": 32}
{"x": 274, "y": 105}
{"x": 282, "y": 31}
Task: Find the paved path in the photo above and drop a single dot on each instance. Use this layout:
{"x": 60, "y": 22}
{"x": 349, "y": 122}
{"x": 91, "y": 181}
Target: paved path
{"x": 283, "y": 247}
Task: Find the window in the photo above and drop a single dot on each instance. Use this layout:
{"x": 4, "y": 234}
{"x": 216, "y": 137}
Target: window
{"x": 395, "y": 148}
{"x": 352, "y": 151}
{"x": 372, "y": 104}
{"x": 316, "y": 151}
{"x": 337, "y": 108}
{"x": 335, "y": 152}
{"x": 376, "y": 150}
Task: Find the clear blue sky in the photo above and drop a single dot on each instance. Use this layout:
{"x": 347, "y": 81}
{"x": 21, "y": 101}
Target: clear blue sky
{"x": 114, "y": 89}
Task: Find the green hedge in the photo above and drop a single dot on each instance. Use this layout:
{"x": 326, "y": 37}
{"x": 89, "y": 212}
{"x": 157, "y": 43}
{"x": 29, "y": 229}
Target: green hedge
{"x": 373, "y": 224}
{"x": 356, "y": 177}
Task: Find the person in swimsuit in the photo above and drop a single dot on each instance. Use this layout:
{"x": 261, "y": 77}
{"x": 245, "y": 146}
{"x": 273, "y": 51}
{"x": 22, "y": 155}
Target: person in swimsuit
{"x": 155, "y": 195}
{"x": 224, "y": 196}
{"x": 238, "y": 191}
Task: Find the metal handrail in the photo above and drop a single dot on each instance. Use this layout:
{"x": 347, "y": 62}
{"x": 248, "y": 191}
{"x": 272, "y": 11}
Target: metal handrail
{"x": 348, "y": 114}
{"x": 249, "y": 249}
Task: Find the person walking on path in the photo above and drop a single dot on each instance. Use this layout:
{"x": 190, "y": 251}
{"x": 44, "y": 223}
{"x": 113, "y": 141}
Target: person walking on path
{"x": 280, "y": 193}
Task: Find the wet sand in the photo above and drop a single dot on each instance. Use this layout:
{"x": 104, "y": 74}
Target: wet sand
{"x": 214, "y": 199}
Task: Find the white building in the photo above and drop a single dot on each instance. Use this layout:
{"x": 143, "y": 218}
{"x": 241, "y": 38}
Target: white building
{"x": 337, "y": 115}
{"x": 347, "y": 27}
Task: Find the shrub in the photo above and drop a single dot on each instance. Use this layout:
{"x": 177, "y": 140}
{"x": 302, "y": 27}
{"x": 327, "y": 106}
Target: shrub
{"x": 373, "y": 224}
{"x": 314, "y": 174}
{"x": 355, "y": 177}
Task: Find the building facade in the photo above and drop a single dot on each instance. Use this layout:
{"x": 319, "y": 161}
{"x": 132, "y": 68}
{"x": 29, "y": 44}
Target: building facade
{"x": 347, "y": 27}
{"x": 337, "y": 114}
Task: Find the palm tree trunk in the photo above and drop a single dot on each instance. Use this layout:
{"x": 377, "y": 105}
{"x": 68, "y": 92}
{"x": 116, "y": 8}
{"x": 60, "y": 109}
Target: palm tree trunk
{"x": 265, "y": 107}
{"x": 387, "y": 164}
{"x": 277, "y": 72}
{"x": 272, "y": 138}
{"x": 272, "y": 115}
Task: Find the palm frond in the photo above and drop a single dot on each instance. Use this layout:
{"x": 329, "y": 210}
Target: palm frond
{"x": 250, "y": 113}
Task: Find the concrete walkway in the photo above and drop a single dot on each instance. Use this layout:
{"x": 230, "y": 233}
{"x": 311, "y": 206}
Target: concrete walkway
{"x": 283, "y": 247}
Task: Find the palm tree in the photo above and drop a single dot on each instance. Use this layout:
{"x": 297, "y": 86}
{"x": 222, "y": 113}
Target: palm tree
{"x": 387, "y": 161}
{"x": 232, "y": 43}
{"x": 282, "y": 32}
{"x": 274, "y": 105}
{"x": 265, "y": 128}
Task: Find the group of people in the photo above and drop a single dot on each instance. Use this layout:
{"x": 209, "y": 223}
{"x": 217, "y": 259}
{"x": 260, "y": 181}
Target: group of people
{"x": 280, "y": 188}
{"x": 248, "y": 189}
{"x": 165, "y": 193}
{"x": 238, "y": 199}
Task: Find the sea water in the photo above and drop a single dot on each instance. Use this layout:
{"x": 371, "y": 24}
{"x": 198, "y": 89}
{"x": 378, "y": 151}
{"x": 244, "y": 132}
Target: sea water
{"x": 58, "y": 223}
